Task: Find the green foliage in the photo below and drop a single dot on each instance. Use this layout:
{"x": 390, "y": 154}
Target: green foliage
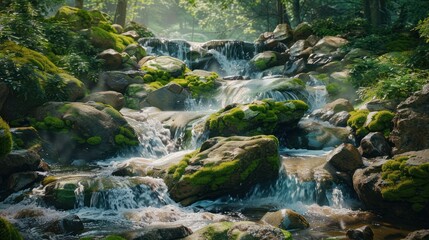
{"x": 333, "y": 27}
{"x": 5, "y": 139}
{"x": 8, "y": 231}
{"x": 401, "y": 87}
{"x": 54, "y": 88}
{"x": 94, "y": 140}
{"x": 103, "y": 39}
{"x": 405, "y": 182}
{"x": 423, "y": 28}
{"x": 368, "y": 71}
{"x": 113, "y": 237}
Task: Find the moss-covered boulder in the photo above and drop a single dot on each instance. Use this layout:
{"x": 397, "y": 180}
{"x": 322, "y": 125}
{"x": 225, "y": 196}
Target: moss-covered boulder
{"x": 363, "y": 122}
{"x": 32, "y": 79}
{"x": 398, "y": 187}
{"x": 135, "y": 50}
{"x": 172, "y": 66}
{"x": 86, "y": 131}
{"x": 105, "y": 39}
{"x": 8, "y": 231}
{"x": 68, "y": 192}
{"x": 265, "y": 60}
{"x": 239, "y": 231}
{"x": 200, "y": 83}
{"x": 80, "y": 18}
{"x": 302, "y": 31}
{"x": 112, "y": 98}
{"x": 5, "y": 139}
{"x": 259, "y": 117}
{"x": 223, "y": 166}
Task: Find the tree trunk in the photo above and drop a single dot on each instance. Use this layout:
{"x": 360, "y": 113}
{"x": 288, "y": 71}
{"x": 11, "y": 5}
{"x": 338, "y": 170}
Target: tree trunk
{"x": 121, "y": 12}
{"x": 280, "y": 11}
{"x": 296, "y": 12}
{"x": 376, "y": 12}
{"x": 78, "y": 3}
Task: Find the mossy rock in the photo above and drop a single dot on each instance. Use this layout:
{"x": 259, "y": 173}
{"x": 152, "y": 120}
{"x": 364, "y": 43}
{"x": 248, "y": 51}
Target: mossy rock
{"x": 265, "y": 60}
{"x": 200, "y": 85}
{"x": 86, "y": 131}
{"x": 223, "y": 166}
{"x": 103, "y": 39}
{"x": 239, "y": 231}
{"x": 80, "y": 18}
{"x": 8, "y": 231}
{"x": 32, "y": 80}
{"x": 406, "y": 178}
{"x": 173, "y": 66}
{"x": 259, "y": 117}
{"x": 5, "y": 139}
{"x": 379, "y": 122}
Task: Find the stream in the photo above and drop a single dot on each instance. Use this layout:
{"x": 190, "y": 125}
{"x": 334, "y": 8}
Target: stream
{"x": 124, "y": 204}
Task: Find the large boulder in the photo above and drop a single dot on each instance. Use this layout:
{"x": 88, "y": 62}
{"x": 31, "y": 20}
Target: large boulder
{"x": 112, "y": 98}
{"x": 71, "y": 224}
{"x": 265, "y": 60}
{"x": 259, "y": 117}
{"x": 169, "y": 97}
{"x": 418, "y": 235}
{"x": 345, "y": 158}
{"x": 135, "y": 50}
{"x": 329, "y": 44}
{"x": 111, "y": 58}
{"x": 223, "y": 166}
{"x": 283, "y": 33}
{"x": 411, "y": 124}
{"x": 20, "y": 161}
{"x": 302, "y": 31}
{"x": 397, "y": 188}
{"x": 86, "y": 131}
{"x": 173, "y": 66}
{"x": 335, "y": 112}
{"x": 239, "y": 231}
{"x": 374, "y": 145}
{"x": 286, "y": 219}
{"x": 299, "y": 49}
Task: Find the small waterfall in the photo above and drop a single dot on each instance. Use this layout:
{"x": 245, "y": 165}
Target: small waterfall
{"x": 316, "y": 93}
{"x": 226, "y": 66}
{"x": 80, "y": 196}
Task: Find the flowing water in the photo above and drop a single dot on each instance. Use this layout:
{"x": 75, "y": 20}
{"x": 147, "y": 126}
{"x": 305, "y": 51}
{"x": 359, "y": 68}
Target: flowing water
{"x": 121, "y": 204}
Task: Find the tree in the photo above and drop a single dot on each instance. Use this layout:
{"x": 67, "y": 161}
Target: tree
{"x": 375, "y": 12}
{"x": 78, "y": 3}
{"x": 121, "y": 12}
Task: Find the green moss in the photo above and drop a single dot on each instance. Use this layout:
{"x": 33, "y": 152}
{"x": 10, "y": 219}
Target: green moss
{"x": 22, "y": 56}
{"x": 126, "y": 137}
{"x": 5, "y": 139}
{"x": 213, "y": 175}
{"x": 357, "y": 121}
{"x": 287, "y": 235}
{"x": 49, "y": 179}
{"x": 405, "y": 182}
{"x": 54, "y": 123}
{"x": 249, "y": 170}
{"x": 299, "y": 104}
{"x": 148, "y": 78}
{"x": 179, "y": 169}
{"x": 8, "y": 231}
{"x": 103, "y": 39}
{"x": 65, "y": 196}
{"x": 382, "y": 122}
{"x": 94, "y": 140}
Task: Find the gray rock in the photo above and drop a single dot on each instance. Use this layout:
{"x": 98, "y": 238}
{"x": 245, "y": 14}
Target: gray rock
{"x": 20, "y": 181}
{"x": 411, "y": 123}
{"x": 71, "y": 224}
{"x": 345, "y": 158}
{"x": 112, "y": 98}
{"x": 173, "y": 66}
{"x": 340, "y": 119}
{"x": 118, "y": 81}
{"x": 169, "y": 97}
{"x": 363, "y": 233}
{"x": 161, "y": 232}
{"x": 418, "y": 235}
{"x": 374, "y": 145}
{"x": 379, "y": 105}
{"x": 20, "y": 161}
{"x": 329, "y": 44}
{"x": 112, "y": 59}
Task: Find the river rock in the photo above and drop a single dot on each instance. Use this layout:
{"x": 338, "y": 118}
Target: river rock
{"x": 224, "y": 166}
{"x": 293, "y": 67}
{"x": 297, "y": 49}
{"x": 118, "y": 28}
{"x": 119, "y": 80}
{"x": 411, "y": 123}
{"x": 132, "y": 34}
{"x": 312, "y": 134}
{"x": 173, "y": 66}
{"x": 161, "y": 232}
{"x": 258, "y": 117}
{"x": 340, "y": 119}
{"x": 170, "y": 97}
{"x": 265, "y": 60}
{"x": 71, "y": 224}
{"x": 379, "y": 105}
{"x": 418, "y": 235}
{"x": 302, "y": 31}
{"x": 331, "y": 109}
{"x": 239, "y": 231}
{"x": 357, "y": 53}
{"x": 345, "y": 158}
{"x": 374, "y": 145}
{"x": 286, "y": 219}
{"x": 22, "y": 180}
{"x": 135, "y": 50}
{"x": 112, "y": 98}
{"x": 283, "y": 33}
{"x": 112, "y": 59}
{"x": 20, "y": 161}
{"x": 363, "y": 233}
{"x": 86, "y": 131}
{"x": 329, "y": 44}
{"x": 396, "y": 192}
